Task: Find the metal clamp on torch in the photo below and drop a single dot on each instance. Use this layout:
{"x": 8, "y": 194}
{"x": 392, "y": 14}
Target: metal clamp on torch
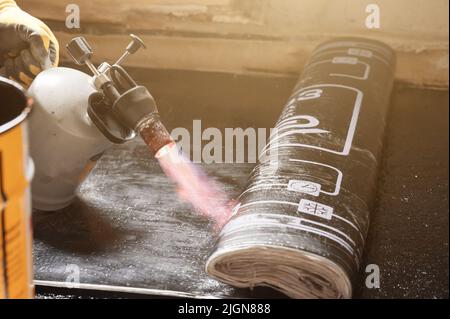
{"x": 120, "y": 108}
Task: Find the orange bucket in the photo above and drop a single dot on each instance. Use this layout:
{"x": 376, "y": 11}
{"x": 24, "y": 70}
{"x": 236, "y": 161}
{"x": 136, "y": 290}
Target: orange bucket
{"x": 16, "y": 171}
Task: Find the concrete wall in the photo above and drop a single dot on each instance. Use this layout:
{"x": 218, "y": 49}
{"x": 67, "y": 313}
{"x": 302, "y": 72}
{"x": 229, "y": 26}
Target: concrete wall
{"x": 264, "y": 36}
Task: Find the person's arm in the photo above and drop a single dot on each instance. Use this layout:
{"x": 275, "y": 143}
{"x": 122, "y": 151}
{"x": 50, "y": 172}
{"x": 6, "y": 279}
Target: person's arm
{"x": 27, "y": 45}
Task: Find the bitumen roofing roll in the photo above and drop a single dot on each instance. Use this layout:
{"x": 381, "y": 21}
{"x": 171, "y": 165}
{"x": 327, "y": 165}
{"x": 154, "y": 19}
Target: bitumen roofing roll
{"x": 302, "y": 220}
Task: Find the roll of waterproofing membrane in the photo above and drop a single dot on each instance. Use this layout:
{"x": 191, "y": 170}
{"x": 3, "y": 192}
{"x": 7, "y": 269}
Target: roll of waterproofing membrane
{"x": 302, "y": 220}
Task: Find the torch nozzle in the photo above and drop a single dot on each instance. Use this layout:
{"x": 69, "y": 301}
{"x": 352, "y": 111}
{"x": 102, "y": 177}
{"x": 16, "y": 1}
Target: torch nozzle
{"x": 154, "y": 134}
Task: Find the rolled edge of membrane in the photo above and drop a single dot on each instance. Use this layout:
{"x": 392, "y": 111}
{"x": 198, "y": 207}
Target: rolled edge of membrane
{"x": 259, "y": 250}
{"x": 296, "y": 273}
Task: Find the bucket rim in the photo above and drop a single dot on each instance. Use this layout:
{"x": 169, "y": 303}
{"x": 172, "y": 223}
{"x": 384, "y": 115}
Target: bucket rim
{"x": 25, "y": 112}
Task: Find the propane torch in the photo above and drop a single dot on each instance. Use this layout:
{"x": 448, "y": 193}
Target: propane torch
{"x": 78, "y": 116}
{"x": 121, "y": 109}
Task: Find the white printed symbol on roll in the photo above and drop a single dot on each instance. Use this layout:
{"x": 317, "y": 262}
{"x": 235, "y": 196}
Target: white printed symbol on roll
{"x": 306, "y": 187}
{"x": 294, "y": 185}
{"x": 360, "y": 52}
{"x": 316, "y": 209}
{"x": 345, "y": 60}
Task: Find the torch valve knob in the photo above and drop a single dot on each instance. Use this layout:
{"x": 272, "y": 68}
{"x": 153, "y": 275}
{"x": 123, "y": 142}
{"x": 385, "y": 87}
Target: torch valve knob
{"x": 80, "y": 50}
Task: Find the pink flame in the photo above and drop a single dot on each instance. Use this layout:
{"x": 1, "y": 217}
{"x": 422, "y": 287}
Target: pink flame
{"x": 195, "y": 187}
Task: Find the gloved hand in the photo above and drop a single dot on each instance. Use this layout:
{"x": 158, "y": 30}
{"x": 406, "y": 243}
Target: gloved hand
{"x": 27, "y": 46}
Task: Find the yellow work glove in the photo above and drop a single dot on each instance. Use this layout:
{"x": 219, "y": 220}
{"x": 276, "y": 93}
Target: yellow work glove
{"x": 27, "y": 46}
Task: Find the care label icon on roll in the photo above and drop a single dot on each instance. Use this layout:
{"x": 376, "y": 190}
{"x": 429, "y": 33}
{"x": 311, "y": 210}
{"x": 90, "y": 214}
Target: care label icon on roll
{"x": 316, "y": 209}
{"x": 306, "y": 187}
{"x": 344, "y": 60}
{"x": 360, "y": 52}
